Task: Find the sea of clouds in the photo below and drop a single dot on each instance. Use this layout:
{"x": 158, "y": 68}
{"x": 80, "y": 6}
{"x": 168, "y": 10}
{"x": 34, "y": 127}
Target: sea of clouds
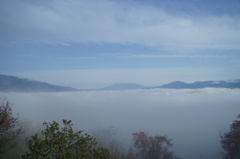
{"x": 192, "y": 118}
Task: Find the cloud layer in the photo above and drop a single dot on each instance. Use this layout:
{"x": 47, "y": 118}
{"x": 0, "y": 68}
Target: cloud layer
{"x": 192, "y": 118}
{"x": 116, "y": 22}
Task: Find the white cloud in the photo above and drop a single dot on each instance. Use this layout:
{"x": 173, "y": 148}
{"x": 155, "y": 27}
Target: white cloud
{"x": 171, "y": 56}
{"x": 116, "y": 22}
{"x": 192, "y": 118}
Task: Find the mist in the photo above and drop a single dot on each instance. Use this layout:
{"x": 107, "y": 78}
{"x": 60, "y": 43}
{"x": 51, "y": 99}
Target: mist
{"x": 192, "y": 118}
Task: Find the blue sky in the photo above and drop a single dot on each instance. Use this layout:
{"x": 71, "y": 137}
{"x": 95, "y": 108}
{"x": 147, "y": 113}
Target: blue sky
{"x": 94, "y": 43}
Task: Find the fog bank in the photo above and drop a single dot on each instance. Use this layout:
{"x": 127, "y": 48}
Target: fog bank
{"x": 192, "y": 118}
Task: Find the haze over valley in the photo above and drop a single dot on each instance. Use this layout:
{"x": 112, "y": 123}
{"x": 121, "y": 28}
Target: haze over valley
{"x": 116, "y": 67}
{"x": 192, "y": 118}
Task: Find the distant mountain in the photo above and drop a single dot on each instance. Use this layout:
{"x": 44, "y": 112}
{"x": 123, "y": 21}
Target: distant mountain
{"x": 175, "y": 85}
{"x": 203, "y": 84}
{"x": 123, "y": 86}
{"x": 15, "y": 84}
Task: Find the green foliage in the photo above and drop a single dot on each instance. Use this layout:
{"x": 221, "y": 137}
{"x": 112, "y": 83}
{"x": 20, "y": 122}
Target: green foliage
{"x": 63, "y": 143}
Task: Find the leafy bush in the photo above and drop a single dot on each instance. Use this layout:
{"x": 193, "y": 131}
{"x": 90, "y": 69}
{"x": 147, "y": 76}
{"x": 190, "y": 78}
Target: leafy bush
{"x": 63, "y": 143}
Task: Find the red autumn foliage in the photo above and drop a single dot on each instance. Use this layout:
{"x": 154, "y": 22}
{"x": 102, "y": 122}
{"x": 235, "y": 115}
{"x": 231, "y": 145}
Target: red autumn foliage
{"x": 152, "y": 147}
{"x": 231, "y": 141}
{"x": 9, "y": 127}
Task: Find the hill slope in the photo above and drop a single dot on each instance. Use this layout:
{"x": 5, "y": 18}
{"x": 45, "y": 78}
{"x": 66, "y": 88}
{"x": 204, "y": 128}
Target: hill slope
{"x": 123, "y": 86}
{"x": 203, "y": 84}
{"x": 15, "y": 84}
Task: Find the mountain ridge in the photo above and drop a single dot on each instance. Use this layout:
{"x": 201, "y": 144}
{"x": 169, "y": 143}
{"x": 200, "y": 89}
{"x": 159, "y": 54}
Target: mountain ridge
{"x": 16, "y": 84}
{"x": 123, "y": 86}
{"x": 203, "y": 84}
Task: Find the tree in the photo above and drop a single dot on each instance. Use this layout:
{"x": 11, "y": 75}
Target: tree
{"x": 152, "y": 147}
{"x": 231, "y": 141}
{"x": 63, "y": 143}
{"x": 9, "y": 127}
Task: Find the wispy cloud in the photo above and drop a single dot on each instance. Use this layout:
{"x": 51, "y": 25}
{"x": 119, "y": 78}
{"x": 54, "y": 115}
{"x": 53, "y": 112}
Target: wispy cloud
{"x": 115, "y": 22}
{"x": 79, "y": 58}
{"x": 170, "y": 56}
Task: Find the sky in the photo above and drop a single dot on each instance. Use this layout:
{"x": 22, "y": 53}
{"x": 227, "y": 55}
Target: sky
{"x": 95, "y": 43}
